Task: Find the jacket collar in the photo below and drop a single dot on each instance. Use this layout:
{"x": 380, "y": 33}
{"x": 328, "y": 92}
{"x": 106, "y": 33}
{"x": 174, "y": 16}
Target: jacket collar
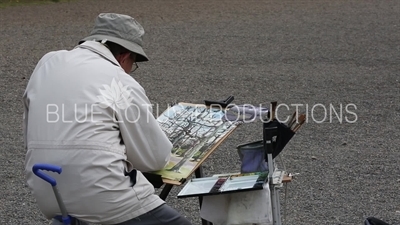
{"x": 100, "y": 49}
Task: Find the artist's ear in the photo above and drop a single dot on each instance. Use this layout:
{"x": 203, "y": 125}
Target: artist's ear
{"x": 121, "y": 58}
{"x": 125, "y": 62}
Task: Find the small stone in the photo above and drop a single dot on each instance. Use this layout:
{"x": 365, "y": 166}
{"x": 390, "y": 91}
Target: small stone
{"x": 344, "y": 143}
{"x": 313, "y": 157}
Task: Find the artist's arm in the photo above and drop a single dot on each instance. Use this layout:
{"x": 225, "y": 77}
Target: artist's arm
{"x": 147, "y": 146}
{"x": 25, "y": 98}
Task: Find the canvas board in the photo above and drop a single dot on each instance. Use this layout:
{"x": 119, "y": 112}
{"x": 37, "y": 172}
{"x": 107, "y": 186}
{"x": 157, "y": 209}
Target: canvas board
{"x": 195, "y": 131}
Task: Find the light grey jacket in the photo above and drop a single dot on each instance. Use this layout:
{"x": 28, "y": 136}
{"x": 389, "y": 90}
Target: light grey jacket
{"x": 85, "y": 114}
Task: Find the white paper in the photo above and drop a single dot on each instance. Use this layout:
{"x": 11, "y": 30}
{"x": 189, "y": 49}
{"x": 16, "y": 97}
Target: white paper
{"x": 241, "y": 208}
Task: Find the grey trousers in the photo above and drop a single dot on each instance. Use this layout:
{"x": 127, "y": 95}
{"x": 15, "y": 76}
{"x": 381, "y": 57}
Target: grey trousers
{"x": 161, "y": 215}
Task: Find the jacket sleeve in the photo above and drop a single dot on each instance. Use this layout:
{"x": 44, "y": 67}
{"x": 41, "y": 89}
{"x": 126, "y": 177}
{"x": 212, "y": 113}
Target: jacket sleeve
{"x": 25, "y": 121}
{"x": 147, "y": 146}
{"x": 25, "y": 99}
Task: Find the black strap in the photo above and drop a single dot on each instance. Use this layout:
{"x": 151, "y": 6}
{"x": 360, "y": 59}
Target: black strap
{"x": 132, "y": 175}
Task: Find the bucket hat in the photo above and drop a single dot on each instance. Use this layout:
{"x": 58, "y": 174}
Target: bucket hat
{"x": 119, "y": 29}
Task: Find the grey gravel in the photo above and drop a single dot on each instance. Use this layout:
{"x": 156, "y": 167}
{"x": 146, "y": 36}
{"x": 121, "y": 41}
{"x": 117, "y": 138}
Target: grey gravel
{"x": 294, "y": 52}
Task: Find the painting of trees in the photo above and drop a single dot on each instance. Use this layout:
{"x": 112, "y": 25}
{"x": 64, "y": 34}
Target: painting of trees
{"x": 193, "y": 130}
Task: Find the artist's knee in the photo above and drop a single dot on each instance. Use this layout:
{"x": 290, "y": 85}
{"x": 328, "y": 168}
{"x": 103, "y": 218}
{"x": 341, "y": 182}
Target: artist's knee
{"x": 185, "y": 221}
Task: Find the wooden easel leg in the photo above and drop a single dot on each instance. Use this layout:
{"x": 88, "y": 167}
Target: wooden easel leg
{"x": 199, "y": 173}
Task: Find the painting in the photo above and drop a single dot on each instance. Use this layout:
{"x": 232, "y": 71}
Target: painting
{"x": 194, "y": 131}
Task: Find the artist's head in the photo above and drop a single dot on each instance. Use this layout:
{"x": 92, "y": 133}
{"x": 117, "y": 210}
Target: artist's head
{"x": 126, "y": 58}
{"x": 122, "y": 34}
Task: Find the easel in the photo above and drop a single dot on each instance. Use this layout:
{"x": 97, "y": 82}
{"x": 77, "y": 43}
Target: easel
{"x": 275, "y": 137}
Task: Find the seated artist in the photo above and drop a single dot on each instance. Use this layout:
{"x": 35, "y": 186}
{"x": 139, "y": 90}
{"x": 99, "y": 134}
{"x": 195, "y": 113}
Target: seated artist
{"x": 85, "y": 113}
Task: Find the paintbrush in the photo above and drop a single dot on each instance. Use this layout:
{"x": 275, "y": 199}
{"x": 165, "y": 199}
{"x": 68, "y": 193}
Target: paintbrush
{"x": 292, "y": 119}
{"x": 302, "y": 119}
{"x": 273, "y": 110}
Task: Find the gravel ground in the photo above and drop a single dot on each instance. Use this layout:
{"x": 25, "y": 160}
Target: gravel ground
{"x": 331, "y": 53}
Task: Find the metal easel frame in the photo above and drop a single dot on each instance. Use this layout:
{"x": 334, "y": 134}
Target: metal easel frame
{"x": 275, "y": 176}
